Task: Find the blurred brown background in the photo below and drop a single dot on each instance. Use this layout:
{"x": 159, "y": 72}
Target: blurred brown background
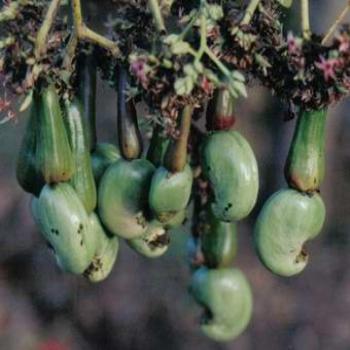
{"x": 144, "y": 304}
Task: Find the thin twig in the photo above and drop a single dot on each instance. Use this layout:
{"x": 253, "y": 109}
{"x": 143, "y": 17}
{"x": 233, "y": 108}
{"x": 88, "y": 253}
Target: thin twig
{"x": 41, "y": 39}
{"x": 305, "y": 19}
{"x": 157, "y": 15}
{"x": 70, "y": 52}
{"x": 334, "y": 26}
{"x": 249, "y": 13}
{"x": 86, "y": 34}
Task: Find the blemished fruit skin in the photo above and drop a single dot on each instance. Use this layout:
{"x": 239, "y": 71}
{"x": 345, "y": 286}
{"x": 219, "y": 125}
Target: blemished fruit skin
{"x": 287, "y": 221}
{"x": 305, "y": 166}
{"x": 123, "y": 197}
{"x": 219, "y": 242}
{"x": 103, "y": 156}
{"x": 154, "y": 243}
{"x": 105, "y": 254}
{"x": 65, "y": 224}
{"x": 83, "y": 179}
{"x": 28, "y": 176}
{"x": 170, "y": 192}
{"x": 226, "y": 297}
{"x": 230, "y": 166}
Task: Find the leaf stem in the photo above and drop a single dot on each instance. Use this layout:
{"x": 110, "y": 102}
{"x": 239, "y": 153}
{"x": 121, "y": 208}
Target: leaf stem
{"x": 157, "y": 15}
{"x": 253, "y": 5}
{"x": 305, "y": 19}
{"x": 334, "y": 26}
{"x": 86, "y": 34}
{"x": 41, "y": 39}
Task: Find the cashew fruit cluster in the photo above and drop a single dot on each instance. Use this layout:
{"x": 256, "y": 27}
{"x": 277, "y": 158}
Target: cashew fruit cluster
{"x": 55, "y": 166}
{"x": 230, "y": 169}
{"x": 87, "y": 196}
{"x": 292, "y": 217}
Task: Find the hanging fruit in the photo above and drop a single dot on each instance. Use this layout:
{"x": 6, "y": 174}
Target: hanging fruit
{"x": 230, "y": 166}
{"x": 305, "y": 166}
{"x": 172, "y": 183}
{"x": 28, "y": 175}
{"x": 54, "y": 155}
{"x": 287, "y": 221}
{"x": 226, "y": 297}
{"x": 105, "y": 254}
{"x": 83, "y": 179}
{"x": 123, "y": 190}
{"x": 218, "y": 242}
{"x": 65, "y": 225}
{"x": 104, "y": 155}
{"x": 129, "y": 136}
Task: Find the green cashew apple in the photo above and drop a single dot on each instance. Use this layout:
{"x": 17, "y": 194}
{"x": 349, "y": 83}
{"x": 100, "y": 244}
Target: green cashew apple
{"x": 105, "y": 255}
{"x": 65, "y": 224}
{"x": 305, "y": 166}
{"x": 226, "y": 297}
{"x": 170, "y": 192}
{"x": 219, "y": 242}
{"x": 230, "y": 166}
{"x": 123, "y": 197}
{"x": 83, "y": 179}
{"x": 28, "y": 176}
{"x": 54, "y": 156}
{"x": 154, "y": 243}
{"x": 288, "y": 220}
{"x": 103, "y": 156}
{"x": 176, "y": 221}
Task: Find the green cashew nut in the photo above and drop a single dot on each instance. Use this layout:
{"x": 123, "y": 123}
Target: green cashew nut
{"x": 170, "y": 192}
{"x": 106, "y": 252}
{"x": 219, "y": 242}
{"x": 154, "y": 243}
{"x": 231, "y": 168}
{"x": 288, "y": 219}
{"x": 123, "y": 197}
{"x": 104, "y": 155}
{"x": 226, "y": 297}
{"x": 65, "y": 224}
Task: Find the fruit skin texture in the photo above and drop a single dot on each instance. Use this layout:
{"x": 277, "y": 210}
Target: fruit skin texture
{"x": 170, "y": 192}
{"x": 226, "y": 294}
{"x": 219, "y": 242}
{"x": 54, "y": 155}
{"x": 105, "y": 255}
{"x": 176, "y": 221}
{"x": 83, "y": 179}
{"x": 28, "y": 176}
{"x": 305, "y": 166}
{"x": 154, "y": 243}
{"x": 288, "y": 219}
{"x": 231, "y": 168}
{"x": 65, "y": 224}
{"x": 104, "y": 155}
{"x": 129, "y": 136}
{"x": 123, "y": 196}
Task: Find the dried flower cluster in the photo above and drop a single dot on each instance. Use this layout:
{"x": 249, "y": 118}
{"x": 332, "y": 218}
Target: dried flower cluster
{"x": 206, "y": 46}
